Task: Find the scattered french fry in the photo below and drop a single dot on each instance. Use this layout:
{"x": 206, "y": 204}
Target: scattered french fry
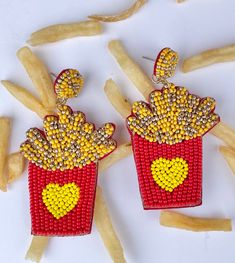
{"x": 5, "y": 129}
{"x": 180, "y": 1}
{"x": 106, "y": 230}
{"x": 116, "y": 98}
{"x": 26, "y": 98}
{"x": 63, "y": 31}
{"x": 39, "y": 76}
{"x": 209, "y": 57}
{"x": 229, "y": 155}
{"x": 15, "y": 166}
{"x": 37, "y": 247}
{"x": 131, "y": 68}
{"x": 224, "y": 133}
{"x": 197, "y": 224}
{"x": 121, "y": 16}
{"x": 121, "y": 152}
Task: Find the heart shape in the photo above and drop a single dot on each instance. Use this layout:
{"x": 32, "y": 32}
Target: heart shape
{"x": 169, "y": 174}
{"x": 60, "y": 200}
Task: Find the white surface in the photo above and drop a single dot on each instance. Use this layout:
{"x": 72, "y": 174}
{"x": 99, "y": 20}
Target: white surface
{"x": 188, "y": 28}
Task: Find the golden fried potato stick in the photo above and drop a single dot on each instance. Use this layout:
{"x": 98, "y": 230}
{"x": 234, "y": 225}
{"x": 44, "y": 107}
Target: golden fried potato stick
{"x": 5, "y": 129}
{"x": 131, "y": 68}
{"x": 225, "y": 133}
{"x": 37, "y": 247}
{"x": 15, "y": 166}
{"x": 104, "y": 226}
{"x": 63, "y": 31}
{"x": 121, "y": 152}
{"x": 209, "y": 57}
{"x": 26, "y": 98}
{"x": 121, "y": 16}
{"x": 197, "y": 224}
{"x": 39, "y": 76}
{"x": 229, "y": 155}
{"x": 116, "y": 98}
{"x": 180, "y": 1}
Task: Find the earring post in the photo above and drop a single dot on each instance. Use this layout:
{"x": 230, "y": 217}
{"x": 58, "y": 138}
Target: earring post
{"x": 150, "y": 59}
{"x": 53, "y": 74}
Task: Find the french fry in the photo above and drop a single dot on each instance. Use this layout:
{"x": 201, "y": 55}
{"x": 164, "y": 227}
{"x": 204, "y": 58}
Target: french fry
{"x": 180, "y": 1}
{"x": 197, "y": 224}
{"x": 121, "y": 16}
{"x": 224, "y": 133}
{"x": 26, "y": 98}
{"x": 106, "y": 230}
{"x": 39, "y": 76}
{"x": 116, "y": 98}
{"x": 62, "y": 31}
{"x": 37, "y": 247}
{"x": 131, "y": 68}
{"x": 121, "y": 152}
{"x": 229, "y": 155}
{"x": 15, "y": 166}
{"x": 5, "y": 129}
{"x": 209, "y": 57}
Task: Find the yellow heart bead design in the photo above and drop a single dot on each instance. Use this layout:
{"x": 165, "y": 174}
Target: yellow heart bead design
{"x": 60, "y": 200}
{"x": 169, "y": 174}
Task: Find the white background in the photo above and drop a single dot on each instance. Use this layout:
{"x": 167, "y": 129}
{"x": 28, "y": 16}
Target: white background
{"x": 188, "y": 28}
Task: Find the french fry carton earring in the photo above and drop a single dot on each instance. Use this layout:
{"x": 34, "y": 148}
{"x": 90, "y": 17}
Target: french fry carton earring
{"x": 166, "y": 138}
{"x": 63, "y": 159}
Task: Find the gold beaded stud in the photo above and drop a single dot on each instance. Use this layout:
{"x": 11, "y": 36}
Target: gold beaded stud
{"x": 165, "y": 65}
{"x": 68, "y": 84}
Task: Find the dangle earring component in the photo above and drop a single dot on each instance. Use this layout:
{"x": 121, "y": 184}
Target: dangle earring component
{"x": 63, "y": 158}
{"x": 166, "y": 135}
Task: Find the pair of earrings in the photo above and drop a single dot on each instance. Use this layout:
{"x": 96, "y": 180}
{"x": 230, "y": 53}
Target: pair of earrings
{"x": 166, "y": 135}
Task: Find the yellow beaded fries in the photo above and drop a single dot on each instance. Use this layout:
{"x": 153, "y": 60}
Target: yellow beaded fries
{"x": 121, "y": 16}
{"x": 5, "y": 129}
{"x": 197, "y": 224}
{"x": 105, "y": 228}
{"x": 131, "y": 68}
{"x": 118, "y": 101}
{"x": 229, "y": 155}
{"x": 209, "y": 57}
{"x": 67, "y": 135}
{"x": 26, "y": 98}
{"x": 37, "y": 247}
{"x": 63, "y": 31}
{"x": 15, "y": 166}
{"x": 166, "y": 121}
{"x": 39, "y": 76}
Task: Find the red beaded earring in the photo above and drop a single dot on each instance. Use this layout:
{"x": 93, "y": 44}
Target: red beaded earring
{"x": 63, "y": 159}
{"x": 166, "y": 138}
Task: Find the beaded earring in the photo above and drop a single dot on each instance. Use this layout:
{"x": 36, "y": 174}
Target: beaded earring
{"x": 63, "y": 159}
{"x": 166, "y": 138}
